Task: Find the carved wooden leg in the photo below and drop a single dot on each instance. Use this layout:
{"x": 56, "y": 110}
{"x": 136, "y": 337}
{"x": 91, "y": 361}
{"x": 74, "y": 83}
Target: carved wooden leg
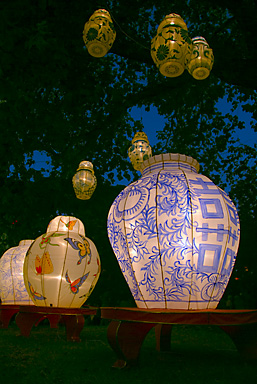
{"x": 5, "y": 316}
{"x": 244, "y": 338}
{"x": 126, "y": 338}
{"x": 74, "y": 325}
{"x": 26, "y": 320}
{"x": 162, "y": 337}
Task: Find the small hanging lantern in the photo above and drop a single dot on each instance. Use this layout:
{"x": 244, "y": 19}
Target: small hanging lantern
{"x": 62, "y": 266}
{"x": 201, "y": 61}
{"x": 99, "y": 33}
{"x": 171, "y": 47}
{"x": 140, "y": 150}
{"x": 84, "y": 181}
{"x": 12, "y": 287}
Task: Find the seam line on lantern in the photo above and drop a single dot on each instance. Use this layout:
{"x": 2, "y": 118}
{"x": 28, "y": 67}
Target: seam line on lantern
{"x": 64, "y": 262}
{"x": 192, "y": 235}
{"x": 157, "y": 237}
{"x": 125, "y": 233}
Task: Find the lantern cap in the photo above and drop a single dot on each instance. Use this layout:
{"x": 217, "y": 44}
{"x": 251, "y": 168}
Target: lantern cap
{"x": 83, "y": 165}
{"x": 25, "y": 242}
{"x": 170, "y": 158}
{"x": 140, "y": 136}
{"x": 100, "y": 13}
{"x": 66, "y": 224}
{"x": 199, "y": 40}
{"x": 173, "y": 19}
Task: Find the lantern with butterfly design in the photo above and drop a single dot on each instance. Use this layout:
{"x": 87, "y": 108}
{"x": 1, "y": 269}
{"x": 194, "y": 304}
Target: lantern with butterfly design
{"x": 62, "y": 266}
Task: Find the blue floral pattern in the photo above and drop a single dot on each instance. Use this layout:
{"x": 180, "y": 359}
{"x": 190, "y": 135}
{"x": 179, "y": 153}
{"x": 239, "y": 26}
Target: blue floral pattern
{"x": 175, "y": 235}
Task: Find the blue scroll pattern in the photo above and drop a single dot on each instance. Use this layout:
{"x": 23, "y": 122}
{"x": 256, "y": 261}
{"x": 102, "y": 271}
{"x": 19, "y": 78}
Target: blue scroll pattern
{"x": 11, "y": 272}
{"x": 163, "y": 228}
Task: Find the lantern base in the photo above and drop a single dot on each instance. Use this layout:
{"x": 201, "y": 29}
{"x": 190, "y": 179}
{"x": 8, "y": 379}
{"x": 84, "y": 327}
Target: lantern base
{"x": 129, "y": 327}
{"x": 96, "y": 49}
{"x": 200, "y": 73}
{"x": 171, "y": 69}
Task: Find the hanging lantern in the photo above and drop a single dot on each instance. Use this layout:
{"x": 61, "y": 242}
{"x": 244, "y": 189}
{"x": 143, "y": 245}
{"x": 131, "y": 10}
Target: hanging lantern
{"x": 140, "y": 150}
{"x": 201, "y": 61}
{"x": 171, "y": 47}
{"x": 175, "y": 235}
{"x": 84, "y": 181}
{"x": 62, "y": 266}
{"x": 12, "y": 287}
{"x": 99, "y": 33}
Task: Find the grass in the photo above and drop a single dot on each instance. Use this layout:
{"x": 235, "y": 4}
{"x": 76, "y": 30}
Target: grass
{"x": 198, "y": 355}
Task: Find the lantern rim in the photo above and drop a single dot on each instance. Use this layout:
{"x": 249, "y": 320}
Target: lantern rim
{"x": 171, "y": 157}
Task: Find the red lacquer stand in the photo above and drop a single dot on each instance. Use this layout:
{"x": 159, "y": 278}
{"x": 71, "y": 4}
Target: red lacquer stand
{"x": 129, "y": 327}
{"x": 73, "y": 319}
{"x": 6, "y": 313}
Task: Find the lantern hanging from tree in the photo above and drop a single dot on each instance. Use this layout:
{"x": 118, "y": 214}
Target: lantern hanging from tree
{"x": 175, "y": 235}
{"x": 201, "y": 60}
{"x": 99, "y": 33}
{"x": 140, "y": 150}
{"x": 62, "y": 266}
{"x": 12, "y": 287}
{"x": 171, "y": 47}
{"x": 84, "y": 181}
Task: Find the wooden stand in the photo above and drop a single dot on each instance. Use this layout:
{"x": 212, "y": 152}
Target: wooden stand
{"x": 6, "y": 313}
{"x": 129, "y": 327}
{"x": 73, "y": 318}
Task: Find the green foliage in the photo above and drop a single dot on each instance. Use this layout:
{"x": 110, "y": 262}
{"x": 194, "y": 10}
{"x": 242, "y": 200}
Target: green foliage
{"x": 57, "y": 99}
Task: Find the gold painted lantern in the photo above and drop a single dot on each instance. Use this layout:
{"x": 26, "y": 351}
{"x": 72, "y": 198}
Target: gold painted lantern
{"x": 201, "y": 61}
{"x": 99, "y": 33}
{"x": 171, "y": 47}
{"x": 84, "y": 181}
{"x": 62, "y": 266}
{"x": 140, "y": 150}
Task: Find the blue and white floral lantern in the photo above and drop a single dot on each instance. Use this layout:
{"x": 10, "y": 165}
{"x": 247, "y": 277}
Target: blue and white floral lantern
{"x": 62, "y": 266}
{"x": 12, "y": 287}
{"x": 175, "y": 235}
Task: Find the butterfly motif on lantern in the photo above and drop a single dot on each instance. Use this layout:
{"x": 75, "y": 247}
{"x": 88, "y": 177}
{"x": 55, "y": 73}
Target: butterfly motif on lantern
{"x": 35, "y": 295}
{"x": 74, "y": 286}
{"x": 70, "y": 224}
{"x": 82, "y": 247}
{"x": 44, "y": 264}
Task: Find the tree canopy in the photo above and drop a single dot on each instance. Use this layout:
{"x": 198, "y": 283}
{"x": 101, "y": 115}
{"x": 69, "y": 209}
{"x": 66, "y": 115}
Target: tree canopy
{"x": 70, "y": 106}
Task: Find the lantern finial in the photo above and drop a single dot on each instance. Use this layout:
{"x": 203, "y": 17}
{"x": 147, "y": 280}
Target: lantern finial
{"x": 140, "y": 150}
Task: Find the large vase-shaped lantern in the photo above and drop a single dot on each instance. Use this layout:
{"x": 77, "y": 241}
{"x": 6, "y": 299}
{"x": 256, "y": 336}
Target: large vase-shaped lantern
{"x": 99, "y": 33}
{"x": 12, "y": 287}
{"x": 62, "y": 266}
{"x": 175, "y": 235}
{"x": 201, "y": 60}
{"x": 171, "y": 47}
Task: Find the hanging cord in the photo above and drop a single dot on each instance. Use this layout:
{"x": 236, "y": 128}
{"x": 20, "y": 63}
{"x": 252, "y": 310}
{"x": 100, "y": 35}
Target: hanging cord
{"x": 129, "y": 37}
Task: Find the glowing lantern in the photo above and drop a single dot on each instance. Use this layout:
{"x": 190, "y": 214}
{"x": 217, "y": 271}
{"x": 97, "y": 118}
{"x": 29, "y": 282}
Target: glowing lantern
{"x": 175, "y": 235}
{"x": 62, "y": 266}
{"x": 12, "y": 287}
{"x": 84, "y": 181}
{"x": 140, "y": 150}
{"x": 201, "y": 61}
{"x": 171, "y": 47}
{"x": 99, "y": 33}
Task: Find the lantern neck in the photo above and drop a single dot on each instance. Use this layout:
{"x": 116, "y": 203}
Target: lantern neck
{"x": 171, "y": 162}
